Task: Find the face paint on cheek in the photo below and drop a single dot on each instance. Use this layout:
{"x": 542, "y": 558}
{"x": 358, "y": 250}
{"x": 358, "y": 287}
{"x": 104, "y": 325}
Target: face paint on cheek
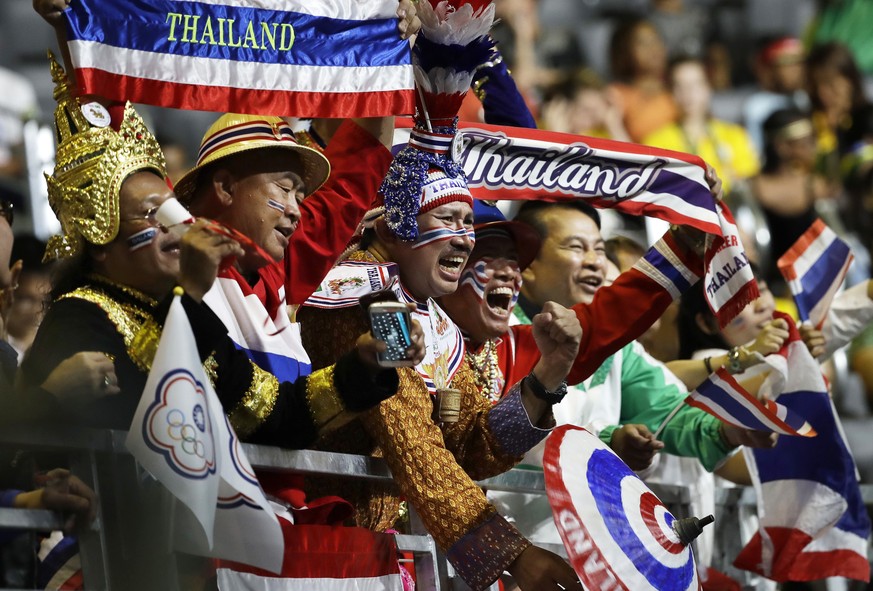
{"x": 476, "y": 277}
{"x": 141, "y": 239}
{"x": 441, "y": 234}
{"x": 276, "y": 205}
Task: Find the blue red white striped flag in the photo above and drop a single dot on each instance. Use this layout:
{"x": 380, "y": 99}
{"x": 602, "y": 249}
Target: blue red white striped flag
{"x": 814, "y": 268}
{"x": 813, "y": 523}
{"x": 306, "y": 58}
{"x": 503, "y": 162}
{"x": 721, "y": 396}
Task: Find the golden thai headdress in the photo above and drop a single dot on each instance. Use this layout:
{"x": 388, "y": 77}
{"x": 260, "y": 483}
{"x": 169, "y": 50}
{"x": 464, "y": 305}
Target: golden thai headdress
{"x": 92, "y": 161}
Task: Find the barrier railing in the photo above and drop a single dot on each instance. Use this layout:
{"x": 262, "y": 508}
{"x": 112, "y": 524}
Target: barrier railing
{"x": 101, "y": 460}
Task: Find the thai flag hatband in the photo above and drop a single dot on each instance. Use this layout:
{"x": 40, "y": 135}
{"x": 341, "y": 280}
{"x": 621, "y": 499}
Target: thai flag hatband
{"x": 306, "y": 58}
{"x": 813, "y": 523}
{"x": 721, "y": 396}
{"x": 814, "y": 268}
{"x": 503, "y": 162}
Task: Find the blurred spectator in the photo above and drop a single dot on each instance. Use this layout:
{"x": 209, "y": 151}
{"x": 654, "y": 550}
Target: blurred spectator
{"x": 583, "y": 105}
{"x": 638, "y": 60}
{"x": 836, "y": 92}
{"x": 850, "y": 23}
{"x": 177, "y": 157}
{"x": 31, "y": 297}
{"x": 535, "y": 60}
{"x": 684, "y": 28}
{"x": 856, "y": 168}
{"x": 17, "y": 102}
{"x": 787, "y": 187}
{"x": 724, "y": 145}
{"x": 779, "y": 72}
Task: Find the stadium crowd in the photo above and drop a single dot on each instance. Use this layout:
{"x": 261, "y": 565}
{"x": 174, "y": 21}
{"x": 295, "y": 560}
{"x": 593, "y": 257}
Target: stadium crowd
{"x": 524, "y": 317}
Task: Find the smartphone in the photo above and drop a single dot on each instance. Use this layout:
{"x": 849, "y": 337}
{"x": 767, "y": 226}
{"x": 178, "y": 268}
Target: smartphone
{"x": 390, "y": 322}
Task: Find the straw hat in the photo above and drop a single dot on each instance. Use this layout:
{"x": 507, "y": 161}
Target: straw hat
{"x": 233, "y": 134}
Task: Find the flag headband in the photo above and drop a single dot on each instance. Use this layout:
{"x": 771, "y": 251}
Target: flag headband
{"x": 233, "y": 134}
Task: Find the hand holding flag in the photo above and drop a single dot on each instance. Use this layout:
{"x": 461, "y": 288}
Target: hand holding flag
{"x": 182, "y": 437}
{"x": 724, "y": 398}
{"x": 813, "y": 520}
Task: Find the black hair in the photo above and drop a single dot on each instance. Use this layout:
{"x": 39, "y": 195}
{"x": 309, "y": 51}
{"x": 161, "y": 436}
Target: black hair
{"x": 691, "y": 337}
{"x": 838, "y": 57}
{"x": 29, "y": 250}
{"x": 772, "y": 125}
{"x": 531, "y": 213}
{"x": 621, "y": 62}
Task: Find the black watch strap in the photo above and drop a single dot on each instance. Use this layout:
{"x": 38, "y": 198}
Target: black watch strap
{"x": 551, "y": 396}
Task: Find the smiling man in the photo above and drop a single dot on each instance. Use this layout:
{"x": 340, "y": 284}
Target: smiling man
{"x": 253, "y": 176}
{"x": 441, "y": 434}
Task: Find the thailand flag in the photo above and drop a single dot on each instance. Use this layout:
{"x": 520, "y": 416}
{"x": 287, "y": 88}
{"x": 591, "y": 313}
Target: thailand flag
{"x": 306, "y": 58}
{"x": 813, "y": 523}
{"x": 814, "y": 268}
{"x": 721, "y": 396}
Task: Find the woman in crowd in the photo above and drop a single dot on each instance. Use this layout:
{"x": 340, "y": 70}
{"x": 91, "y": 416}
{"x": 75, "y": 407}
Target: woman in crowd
{"x": 787, "y": 188}
{"x": 836, "y": 91}
{"x": 725, "y": 146}
{"x": 638, "y": 59}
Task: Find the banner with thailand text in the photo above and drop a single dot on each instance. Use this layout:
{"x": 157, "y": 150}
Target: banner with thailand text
{"x": 303, "y": 58}
{"x": 503, "y": 162}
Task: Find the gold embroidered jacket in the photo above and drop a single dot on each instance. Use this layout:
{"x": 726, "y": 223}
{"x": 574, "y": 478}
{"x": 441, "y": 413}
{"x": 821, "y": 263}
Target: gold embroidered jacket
{"x": 125, "y": 325}
{"x": 434, "y": 467}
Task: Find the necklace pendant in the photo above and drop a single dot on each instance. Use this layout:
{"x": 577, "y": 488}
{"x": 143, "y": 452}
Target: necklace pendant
{"x": 448, "y": 405}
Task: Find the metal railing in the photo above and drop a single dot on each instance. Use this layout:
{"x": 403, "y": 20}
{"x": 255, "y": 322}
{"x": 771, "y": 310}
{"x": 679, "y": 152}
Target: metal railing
{"x": 101, "y": 460}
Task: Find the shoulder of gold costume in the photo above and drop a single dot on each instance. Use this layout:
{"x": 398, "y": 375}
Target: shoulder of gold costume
{"x": 257, "y": 403}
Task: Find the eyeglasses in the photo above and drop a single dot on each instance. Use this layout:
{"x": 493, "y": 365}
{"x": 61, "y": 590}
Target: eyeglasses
{"x": 6, "y": 210}
{"x": 150, "y": 217}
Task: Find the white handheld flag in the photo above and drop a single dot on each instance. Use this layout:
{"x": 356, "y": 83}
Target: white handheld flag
{"x": 182, "y": 437}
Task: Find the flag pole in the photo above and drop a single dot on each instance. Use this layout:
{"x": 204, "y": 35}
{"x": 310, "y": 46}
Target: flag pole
{"x": 672, "y": 414}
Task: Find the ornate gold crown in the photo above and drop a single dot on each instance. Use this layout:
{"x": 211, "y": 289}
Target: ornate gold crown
{"x": 92, "y": 161}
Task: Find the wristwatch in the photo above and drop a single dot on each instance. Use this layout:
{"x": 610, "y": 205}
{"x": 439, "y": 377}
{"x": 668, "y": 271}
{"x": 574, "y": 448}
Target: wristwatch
{"x": 551, "y": 396}
{"x": 735, "y": 364}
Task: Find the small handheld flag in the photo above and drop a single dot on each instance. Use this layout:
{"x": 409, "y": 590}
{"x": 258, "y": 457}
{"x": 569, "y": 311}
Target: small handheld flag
{"x": 721, "y": 396}
{"x": 814, "y": 268}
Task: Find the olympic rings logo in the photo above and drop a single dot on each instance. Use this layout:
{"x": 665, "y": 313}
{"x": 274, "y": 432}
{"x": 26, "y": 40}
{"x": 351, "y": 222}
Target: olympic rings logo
{"x": 179, "y": 430}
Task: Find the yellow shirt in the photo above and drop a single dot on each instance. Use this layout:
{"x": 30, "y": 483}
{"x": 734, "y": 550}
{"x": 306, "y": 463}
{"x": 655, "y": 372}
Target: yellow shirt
{"x": 726, "y": 147}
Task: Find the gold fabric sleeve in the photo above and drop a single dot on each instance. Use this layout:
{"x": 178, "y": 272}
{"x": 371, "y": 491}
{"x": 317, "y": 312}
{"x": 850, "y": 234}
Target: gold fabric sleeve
{"x": 257, "y": 403}
{"x": 322, "y": 398}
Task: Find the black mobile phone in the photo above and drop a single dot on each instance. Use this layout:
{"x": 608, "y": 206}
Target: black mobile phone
{"x": 391, "y": 322}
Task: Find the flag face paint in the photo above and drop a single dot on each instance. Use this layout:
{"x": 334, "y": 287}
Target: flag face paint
{"x": 442, "y": 234}
{"x": 478, "y": 275}
{"x": 266, "y": 57}
{"x": 141, "y": 239}
{"x": 276, "y": 205}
